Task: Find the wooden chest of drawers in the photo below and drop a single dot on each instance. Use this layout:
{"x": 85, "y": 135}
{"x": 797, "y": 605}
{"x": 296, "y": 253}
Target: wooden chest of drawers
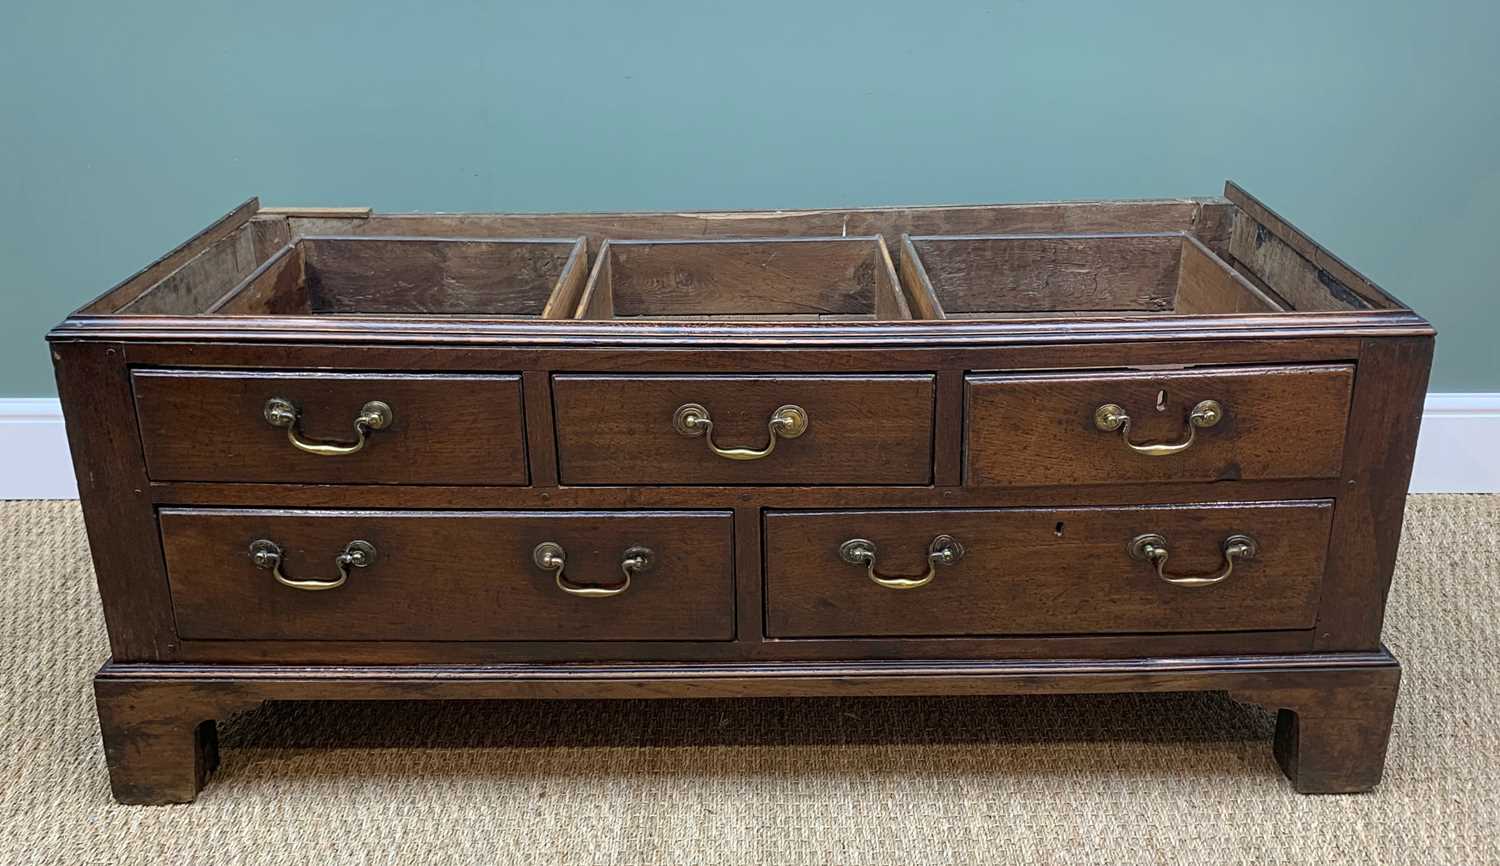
{"x": 1102, "y": 446}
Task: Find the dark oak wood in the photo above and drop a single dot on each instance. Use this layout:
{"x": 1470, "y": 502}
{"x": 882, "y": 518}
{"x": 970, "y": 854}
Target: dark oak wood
{"x": 759, "y": 496}
{"x": 1332, "y": 738}
{"x": 157, "y": 720}
{"x": 450, "y": 576}
{"x": 439, "y": 276}
{"x": 988, "y": 276}
{"x": 161, "y": 739}
{"x": 270, "y": 235}
{"x": 795, "y": 278}
{"x": 749, "y": 591}
{"x": 426, "y": 276}
{"x": 1302, "y": 284}
{"x": 865, "y": 353}
{"x": 541, "y": 444}
{"x": 150, "y": 276}
{"x": 889, "y": 222}
{"x": 919, "y": 293}
{"x": 1383, "y": 426}
{"x": 1205, "y": 284}
{"x": 93, "y": 381}
{"x": 515, "y": 421}
{"x": 446, "y": 429}
{"x": 1038, "y": 428}
{"x": 947, "y": 429}
{"x": 1121, "y": 333}
{"x": 278, "y": 287}
{"x": 201, "y": 281}
{"x": 1041, "y": 273}
{"x": 1044, "y": 571}
{"x": 748, "y": 645}
{"x": 861, "y": 429}
{"x": 1267, "y": 244}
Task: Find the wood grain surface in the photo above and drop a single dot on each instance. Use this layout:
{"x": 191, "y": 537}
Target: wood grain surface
{"x": 787, "y": 277}
{"x": 447, "y": 429}
{"x": 201, "y": 281}
{"x": 1007, "y": 273}
{"x": 1206, "y": 284}
{"x": 873, "y": 429}
{"x": 980, "y": 427}
{"x": 1331, "y": 272}
{"x": 143, "y": 280}
{"x": 277, "y": 288}
{"x": 158, "y": 721}
{"x": 1044, "y": 571}
{"x": 1279, "y": 422}
{"x": 439, "y": 276}
{"x": 450, "y": 576}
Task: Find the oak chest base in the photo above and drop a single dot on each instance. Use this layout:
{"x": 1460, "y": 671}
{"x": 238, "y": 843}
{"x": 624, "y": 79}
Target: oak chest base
{"x": 1056, "y": 447}
{"x": 1334, "y": 721}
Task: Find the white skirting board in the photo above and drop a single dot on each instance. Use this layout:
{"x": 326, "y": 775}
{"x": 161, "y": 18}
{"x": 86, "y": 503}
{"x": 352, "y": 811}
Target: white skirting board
{"x": 1459, "y": 451}
{"x": 34, "y": 458}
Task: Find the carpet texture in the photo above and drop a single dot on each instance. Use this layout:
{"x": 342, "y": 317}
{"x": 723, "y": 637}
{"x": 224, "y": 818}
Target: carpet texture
{"x": 1087, "y": 779}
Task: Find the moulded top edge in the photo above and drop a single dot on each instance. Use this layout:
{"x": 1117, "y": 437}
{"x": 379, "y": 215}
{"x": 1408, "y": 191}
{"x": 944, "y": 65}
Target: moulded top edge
{"x": 771, "y": 213}
{"x": 784, "y": 239}
{"x": 570, "y": 241}
{"x": 768, "y": 334}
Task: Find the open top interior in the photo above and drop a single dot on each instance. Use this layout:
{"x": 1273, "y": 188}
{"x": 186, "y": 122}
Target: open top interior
{"x": 776, "y": 278}
{"x": 1028, "y": 261}
{"x": 409, "y": 276}
{"x": 1017, "y": 276}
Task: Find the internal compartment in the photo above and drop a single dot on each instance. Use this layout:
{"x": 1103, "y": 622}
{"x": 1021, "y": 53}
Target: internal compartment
{"x": 784, "y": 279}
{"x": 324, "y": 275}
{"x": 1026, "y": 275}
{"x": 1044, "y": 260}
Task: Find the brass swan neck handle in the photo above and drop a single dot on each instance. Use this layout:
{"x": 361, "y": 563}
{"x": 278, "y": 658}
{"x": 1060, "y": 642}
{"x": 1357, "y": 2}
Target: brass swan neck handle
{"x": 374, "y": 415}
{"x": 944, "y": 550}
{"x": 550, "y": 556}
{"x": 1111, "y": 417}
{"x": 1152, "y": 547}
{"x": 787, "y": 422}
{"x": 267, "y": 554}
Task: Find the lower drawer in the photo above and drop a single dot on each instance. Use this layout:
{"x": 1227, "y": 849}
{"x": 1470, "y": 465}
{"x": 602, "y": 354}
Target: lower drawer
{"x": 436, "y": 576}
{"x": 1176, "y": 568}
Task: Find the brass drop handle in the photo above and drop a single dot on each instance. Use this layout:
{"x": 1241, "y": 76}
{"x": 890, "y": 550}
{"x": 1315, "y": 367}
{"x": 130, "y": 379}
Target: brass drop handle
{"x": 1111, "y": 417}
{"x": 549, "y": 556}
{"x": 787, "y": 422}
{"x": 267, "y": 554}
{"x": 374, "y": 415}
{"x": 1152, "y": 547}
{"x": 944, "y": 550}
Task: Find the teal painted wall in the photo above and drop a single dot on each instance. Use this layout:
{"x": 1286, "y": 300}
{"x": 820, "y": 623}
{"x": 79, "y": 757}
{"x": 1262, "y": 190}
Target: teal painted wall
{"x": 125, "y": 127}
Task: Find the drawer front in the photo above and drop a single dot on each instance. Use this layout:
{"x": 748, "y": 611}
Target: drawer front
{"x": 1193, "y": 425}
{"x": 851, "y": 429}
{"x": 1042, "y": 571}
{"x": 451, "y": 576}
{"x": 441, "y": 429}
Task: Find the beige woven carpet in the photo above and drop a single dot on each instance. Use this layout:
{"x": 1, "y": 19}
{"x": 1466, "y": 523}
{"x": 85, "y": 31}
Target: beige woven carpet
{"x": 1092, "y": 779}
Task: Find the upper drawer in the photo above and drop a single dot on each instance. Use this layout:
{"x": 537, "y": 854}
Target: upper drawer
{"x": 873, "y": 429}
{"x": 1045, "y": 570}
{"x": 1037, "y": 429}
{"x": 438, "y": 576}
{"x": 231, "y": 426}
